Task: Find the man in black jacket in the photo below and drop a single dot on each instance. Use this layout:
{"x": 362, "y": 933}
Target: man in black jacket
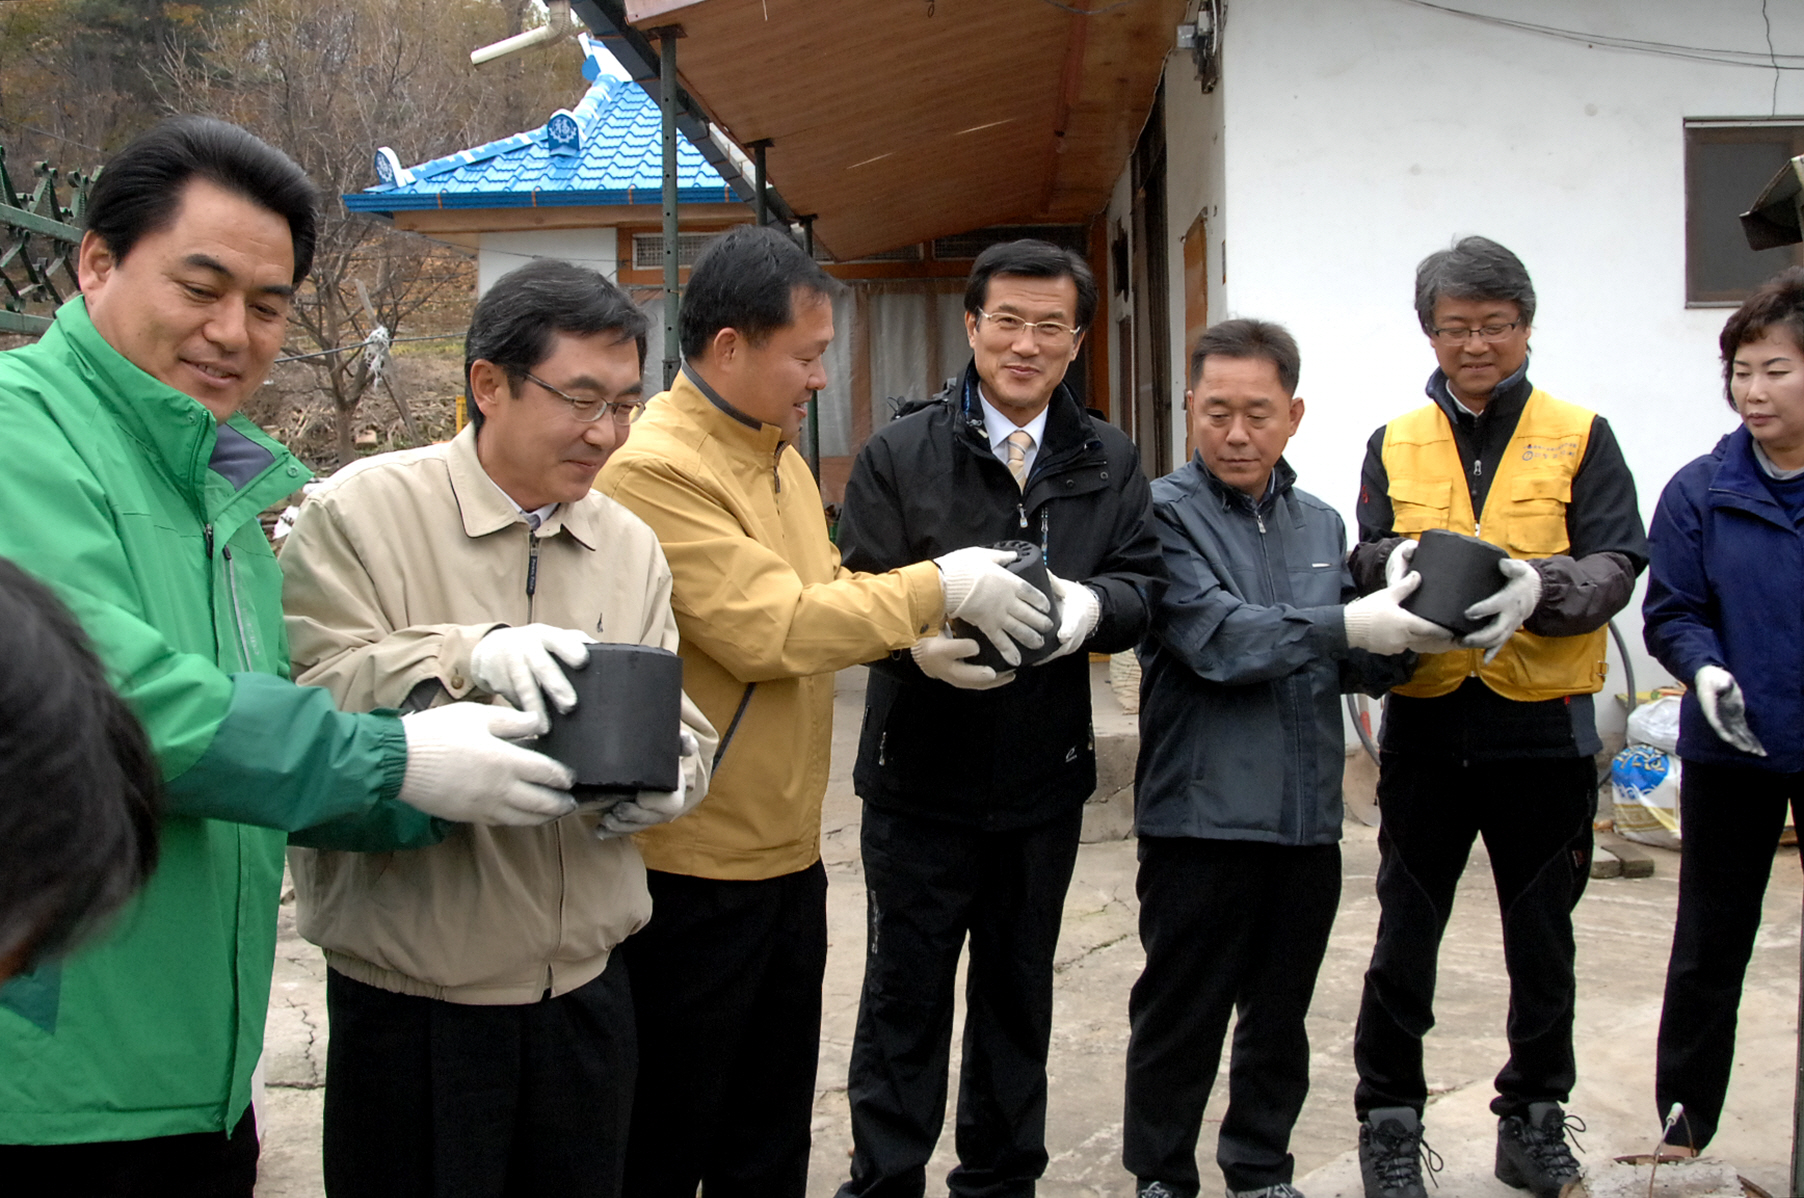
{"x": 1237, "y": 793}
{"x": 1494, "y": 738}
{"x": 973, "y": 781}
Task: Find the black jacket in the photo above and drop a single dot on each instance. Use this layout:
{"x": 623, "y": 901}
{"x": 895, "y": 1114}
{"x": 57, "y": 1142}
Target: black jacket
{"x": 1243, "y": 669}
{"x": 927, "y": 484}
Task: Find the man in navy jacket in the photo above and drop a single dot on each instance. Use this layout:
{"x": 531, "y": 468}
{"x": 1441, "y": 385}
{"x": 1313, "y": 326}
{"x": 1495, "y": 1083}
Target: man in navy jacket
{"x": 1237, "y": 793}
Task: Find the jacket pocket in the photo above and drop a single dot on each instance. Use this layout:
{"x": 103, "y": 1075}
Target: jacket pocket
{"x": 1419, "y": 504}
{"x": 1536, "y": 519}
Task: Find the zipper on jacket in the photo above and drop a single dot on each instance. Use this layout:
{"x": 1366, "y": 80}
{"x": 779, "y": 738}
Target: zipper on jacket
{"x": 1021, "y": 512}
{"x": 231, "y": 572}
{"x": 1259, "y": 520}
{"x": 532, "y": 570}
{"x": 207, "y": 531}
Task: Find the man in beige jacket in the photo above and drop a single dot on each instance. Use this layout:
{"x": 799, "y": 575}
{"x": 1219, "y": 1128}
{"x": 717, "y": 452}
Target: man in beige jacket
{"x": 482, "y": 1029}
{"x": 727, "y": 977}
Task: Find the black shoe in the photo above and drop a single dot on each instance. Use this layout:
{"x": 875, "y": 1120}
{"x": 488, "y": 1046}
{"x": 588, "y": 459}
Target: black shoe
{"x": 1146, "y": 1187}
{"x": 1392, "y": 1153}
{"x": 1532, "y": 1153}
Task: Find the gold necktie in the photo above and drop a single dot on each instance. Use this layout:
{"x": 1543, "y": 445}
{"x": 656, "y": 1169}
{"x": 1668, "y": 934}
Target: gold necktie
{"x": 1019, "y": 442}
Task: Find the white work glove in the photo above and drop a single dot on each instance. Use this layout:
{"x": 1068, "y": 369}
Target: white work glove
{"x": 461, "y": 767}
{"x": 1508, "y": 606}
{"x": 1377, "y": 622}
{"x": 1079, "y": 609}
{"x": 516, "y": 664}
{"x": 651, "y": 807}
{"x": 943, "y": 657}
{"x": 998, "y": 604}
{"x": 1720, "y": 697}
{"x": 1397, "y": 564}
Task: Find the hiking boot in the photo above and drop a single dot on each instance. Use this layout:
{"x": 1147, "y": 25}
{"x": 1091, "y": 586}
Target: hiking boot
{"x": 1148, "y": 1188}
{"x": 1282, "y": 1190}
{"x": 1532, "y": 1153}
{"x": 1392, "y": 1153}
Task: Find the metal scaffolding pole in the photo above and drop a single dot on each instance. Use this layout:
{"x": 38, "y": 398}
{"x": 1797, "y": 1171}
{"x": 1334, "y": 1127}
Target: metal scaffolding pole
{"x": 760, "y": 197}
{"x": 667, "y": 102}
{"x": 814, "y": 397}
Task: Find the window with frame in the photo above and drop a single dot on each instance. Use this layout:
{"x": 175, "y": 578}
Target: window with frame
{"x": 1727, "y": 164}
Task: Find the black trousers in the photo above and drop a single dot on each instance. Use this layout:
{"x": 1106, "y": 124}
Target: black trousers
{"x": 431, "y": 1099}
{"x": 1730, "y": 817}
{"x": 930, "y": 884}
{"x": 1535, "y": 816}
{"x": 727, "y": 981}
{"x": 1227, "y": 925}
{"x": 200, "y": 1165}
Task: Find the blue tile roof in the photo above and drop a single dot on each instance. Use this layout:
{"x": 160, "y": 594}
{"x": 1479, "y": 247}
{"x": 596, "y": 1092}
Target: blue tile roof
{"x": 606, "y": 150}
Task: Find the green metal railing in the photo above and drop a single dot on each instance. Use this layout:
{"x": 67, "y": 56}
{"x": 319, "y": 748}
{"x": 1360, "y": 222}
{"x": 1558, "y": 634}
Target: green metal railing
{"x": 38, "y": 240}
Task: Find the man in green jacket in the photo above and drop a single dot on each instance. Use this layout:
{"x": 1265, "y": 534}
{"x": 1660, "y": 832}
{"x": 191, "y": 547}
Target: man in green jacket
{"x": 133, "y": 487}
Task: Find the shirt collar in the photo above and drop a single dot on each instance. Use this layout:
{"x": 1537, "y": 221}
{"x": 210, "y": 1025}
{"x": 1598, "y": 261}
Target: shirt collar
{"x": 1767, "y": 468}
{"x": 997, "y": 427}
{"x": 702, "y": 385}
{"x": 1439, "y": 387}
{"x": 486, "y": 508}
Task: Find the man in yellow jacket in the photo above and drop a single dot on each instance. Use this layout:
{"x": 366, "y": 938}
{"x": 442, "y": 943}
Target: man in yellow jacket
{"x": 1495, "y": 737}
{"x": 727, "y": 976}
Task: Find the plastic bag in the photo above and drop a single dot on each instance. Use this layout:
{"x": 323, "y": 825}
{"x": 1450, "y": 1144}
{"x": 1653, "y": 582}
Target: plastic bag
{"x": 1656, "y": 724}
{"x": 1644, "y": 781}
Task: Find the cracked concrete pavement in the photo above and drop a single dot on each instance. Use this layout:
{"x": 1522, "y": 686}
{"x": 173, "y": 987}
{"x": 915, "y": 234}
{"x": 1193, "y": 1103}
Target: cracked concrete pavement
{"x": 1623, "y": 929}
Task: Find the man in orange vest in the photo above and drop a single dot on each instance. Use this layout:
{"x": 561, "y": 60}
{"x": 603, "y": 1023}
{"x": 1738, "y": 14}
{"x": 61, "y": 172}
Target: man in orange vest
{"x": 1495, "y": 737}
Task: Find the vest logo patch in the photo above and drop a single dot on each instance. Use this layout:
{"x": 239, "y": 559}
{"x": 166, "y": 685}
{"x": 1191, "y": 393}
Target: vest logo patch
{"x": 1564, "y": 450}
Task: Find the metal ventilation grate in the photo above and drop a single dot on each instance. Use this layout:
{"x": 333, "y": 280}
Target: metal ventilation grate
{"x": 648, "y": 249}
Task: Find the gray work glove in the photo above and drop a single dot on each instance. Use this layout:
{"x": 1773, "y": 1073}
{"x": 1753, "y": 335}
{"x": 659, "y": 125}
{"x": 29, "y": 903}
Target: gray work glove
{"x": 998, "y": 604}
{"x": 1508, "y": 607}
{"x": 1397, "y": 564}
{"x": 516, "y": 664}
{"x": 461, "y": 767}
{"x": 1079, "y": 609}
{"x": 1720, "y": 697}
{"x": 943, "y": 657}
{"x": 1377, "y": 623}
{"x": 649, "y": 808}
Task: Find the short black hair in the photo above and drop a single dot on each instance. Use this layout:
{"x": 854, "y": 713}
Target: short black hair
{"x": 1031, "y": 258}
{"x": 514, "y": 320}
{"x": 80, "y": 788}
{"x": 138, "y": 192}
{"x": 1776, "y": 304}
{"x": 1473, "y": 268}
{"x": 745, "y": 279}
{"x": 1246, "y": 338}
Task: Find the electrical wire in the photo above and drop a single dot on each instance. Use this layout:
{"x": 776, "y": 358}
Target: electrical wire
{"x": 1711, "y": 54}
{"x": 47, "y": 133}
{"x": 1767, "y": 20}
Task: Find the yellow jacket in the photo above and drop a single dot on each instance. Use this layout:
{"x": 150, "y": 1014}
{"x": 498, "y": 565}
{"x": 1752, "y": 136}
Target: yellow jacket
{"x": 394, "y": 570}
{"x": 761, "y": 601}
{"x": 1525, "y": 513}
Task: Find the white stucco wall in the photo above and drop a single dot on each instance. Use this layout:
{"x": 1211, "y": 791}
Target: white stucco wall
{"x": 598, "y": 249}
{"x": 1359, "y": 135}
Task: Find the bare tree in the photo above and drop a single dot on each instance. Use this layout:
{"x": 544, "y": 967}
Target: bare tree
{"x": 329, "y": 81}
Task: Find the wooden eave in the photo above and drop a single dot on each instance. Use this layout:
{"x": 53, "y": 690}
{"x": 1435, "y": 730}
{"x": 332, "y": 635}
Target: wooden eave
{"x": 895, "y": 126}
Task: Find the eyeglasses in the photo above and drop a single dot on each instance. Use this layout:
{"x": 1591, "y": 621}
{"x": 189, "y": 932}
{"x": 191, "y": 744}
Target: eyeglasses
{"x": 588, "y": 409}
{"x": 1488, "y": 333}
{"x": 1044, "y": 330}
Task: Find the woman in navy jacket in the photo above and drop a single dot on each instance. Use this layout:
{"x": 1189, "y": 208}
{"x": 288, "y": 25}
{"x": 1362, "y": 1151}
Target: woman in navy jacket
{"x": 1725, "y": 612}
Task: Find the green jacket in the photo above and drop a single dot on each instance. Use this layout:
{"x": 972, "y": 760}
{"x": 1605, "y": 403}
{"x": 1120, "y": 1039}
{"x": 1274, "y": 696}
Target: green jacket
{"x": 108, "y": 495}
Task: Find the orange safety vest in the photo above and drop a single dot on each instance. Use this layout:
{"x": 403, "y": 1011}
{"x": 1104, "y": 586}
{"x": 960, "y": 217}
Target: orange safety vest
{"x": 1525, "y": 513}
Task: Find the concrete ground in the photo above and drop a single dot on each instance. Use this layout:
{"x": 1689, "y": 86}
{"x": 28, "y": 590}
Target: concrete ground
{"x": 1623, "y": 928}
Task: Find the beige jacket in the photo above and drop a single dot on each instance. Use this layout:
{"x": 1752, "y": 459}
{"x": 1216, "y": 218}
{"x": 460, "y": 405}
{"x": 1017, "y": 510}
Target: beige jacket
{"x": 396, "y": 567}
{"x": 761, "y": 598}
